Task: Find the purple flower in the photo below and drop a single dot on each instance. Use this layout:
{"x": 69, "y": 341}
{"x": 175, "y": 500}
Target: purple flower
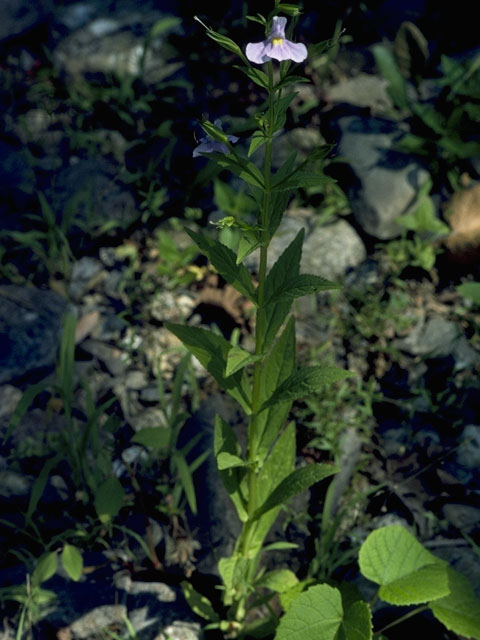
{"x": 208, "y": 145}
{"x": 276, "y": 46}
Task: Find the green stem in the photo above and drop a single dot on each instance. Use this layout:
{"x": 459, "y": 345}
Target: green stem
{"x": 408, "y": 615}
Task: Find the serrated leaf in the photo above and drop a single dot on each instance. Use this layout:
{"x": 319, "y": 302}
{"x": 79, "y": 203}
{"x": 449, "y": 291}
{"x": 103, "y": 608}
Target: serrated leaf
{"x": 406, "y": 572}
{"x": 241, "y": 168}
{"x": 304, "y": 382}
{"x": 245, "y": 247}
{"x": 212, "y": 352}
{"x": 460, "y": 610}
{"x": 278, "y": 365}
{"x": 239, "y": 358}
{"x": 156, "y": 438}
{"x": 258, "y": 140}
{"x": 302, "y": 285}
{"x": 45, "y": 568}
{"x": 285, "y": 268}
{"x": 198, "y": 603}
{"x": 72, "y": 561}
{"x": 226, "y": 460}
{"x": 296, "y": 482}
{"x": 278, "y": 580}
{"x": 225, "y": 442}
{"x": 109, "y": 499}
{"x": 356, "y": 623}
{"x": 224, "y": 261}
{"x": 315, "y": 614}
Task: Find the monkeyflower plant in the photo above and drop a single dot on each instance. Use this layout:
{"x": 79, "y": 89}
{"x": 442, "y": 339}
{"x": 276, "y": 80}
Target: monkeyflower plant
{"x": 261, "y": 477}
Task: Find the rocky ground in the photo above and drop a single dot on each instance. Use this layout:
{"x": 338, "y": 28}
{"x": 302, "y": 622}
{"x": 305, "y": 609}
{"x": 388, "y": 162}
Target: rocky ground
{"x": 98, "y": 125}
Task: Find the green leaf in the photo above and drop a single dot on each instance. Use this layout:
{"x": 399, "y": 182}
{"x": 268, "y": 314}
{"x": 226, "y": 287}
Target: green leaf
{"x": 301, "y": 180}
{"x": 470, "y": 290}
{"x": 280, "y": 109}
{"x": 247, "y": 171}
{"x": 257, "y": 76}
{"x": 214, "y": 132}
{"x": 226, "y": 460}
{"x": 156, "y": 438}
{"x": 212, "y": 352}
{"x": 109, "y": 499}
{"x": 315, "y": 614}
{"x": 296, "y": 482}
{"x": 246, "y": 246}
{"x": 198, "y": 604}
{"x": 301, "y": 285}
{"x": 278, "y": 365}
{"x": 234, "y": 571}
{"x": 39, "y": 486}
{"x": 278, "y": 580}
{"x": 258, "y": 140}
{"x": 72, "y": 561}
{"x": 357, "y": 623}
{"x": 290, "y": 79}
{"x": 279, "y": 464}
{"x": 225, "y": 262}
{"x": 45, "y": 568}
{"x": 225, "y": 443}
{"x": 406, "y": 572}
{"x": 239, "y": 358}
{"x": 460, "y": 610}
{"x": 186, "y": 480}
{"x": 285, "y": 268}
{"x": 304, "y": 382}
{"x": 397, "y": 86}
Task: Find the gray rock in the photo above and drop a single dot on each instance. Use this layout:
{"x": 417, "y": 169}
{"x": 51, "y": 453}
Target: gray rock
{"x": 435, "y": 338}
{"x": 331, "y": 250}
{"x": 30, "y": 330}
{"x": 363, "y": 90}
{"x": 19, "y": 16}
{"x": 468, "y": 452}
{"x": 90, "y": 185}
{"x": 386, "y": 182}
{"x": 84, "y": 273}
{"x": 328, "y": 251}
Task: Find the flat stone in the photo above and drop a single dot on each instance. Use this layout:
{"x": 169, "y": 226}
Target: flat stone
{"x": 30, "y": 330}
{"x": 386, "y": 182}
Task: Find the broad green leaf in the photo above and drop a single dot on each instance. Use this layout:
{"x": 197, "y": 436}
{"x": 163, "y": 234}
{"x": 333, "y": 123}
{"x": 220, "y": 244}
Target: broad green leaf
{"x": 186, "y": 480}
{"x": 460, "y": 610}
{"x": 224, "y": 261}
{"x": 156, "y": 438}
{"x": 280, "y": 463}
{"x": 239, "y": 358}
{"x": 278, "y": 365}
{"x": 296, "y": 482}
{"x": 109, "y": 499}
{"x": 356, "y": 623}
{"x": 287, "y": 598}
{"x": 304, "y": 382}
{"x": 45, "y": 568}
{"x": 233, "y": 571}
{"x": 212, "y": 352}
{"x": 225, "y": 443}
{"x": 406, "y": 572}
{"x": 397, "y": 86}
{"x": 258, "y": 140}
{"x": 315, "y": 614}
{"x": 245, "y": 247}
{"x": 302, "y": 285}
{"x": 72, "y": 561}
{"x": 226, "y": 460}
{"x": 470, "y": 290}
{"x": 285, "y": 268}
{"x": 198, "y": 604}
{"x": 278, "y": 580}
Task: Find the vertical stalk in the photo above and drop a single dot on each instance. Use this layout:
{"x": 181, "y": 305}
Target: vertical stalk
{"x": 259, "y": 325}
